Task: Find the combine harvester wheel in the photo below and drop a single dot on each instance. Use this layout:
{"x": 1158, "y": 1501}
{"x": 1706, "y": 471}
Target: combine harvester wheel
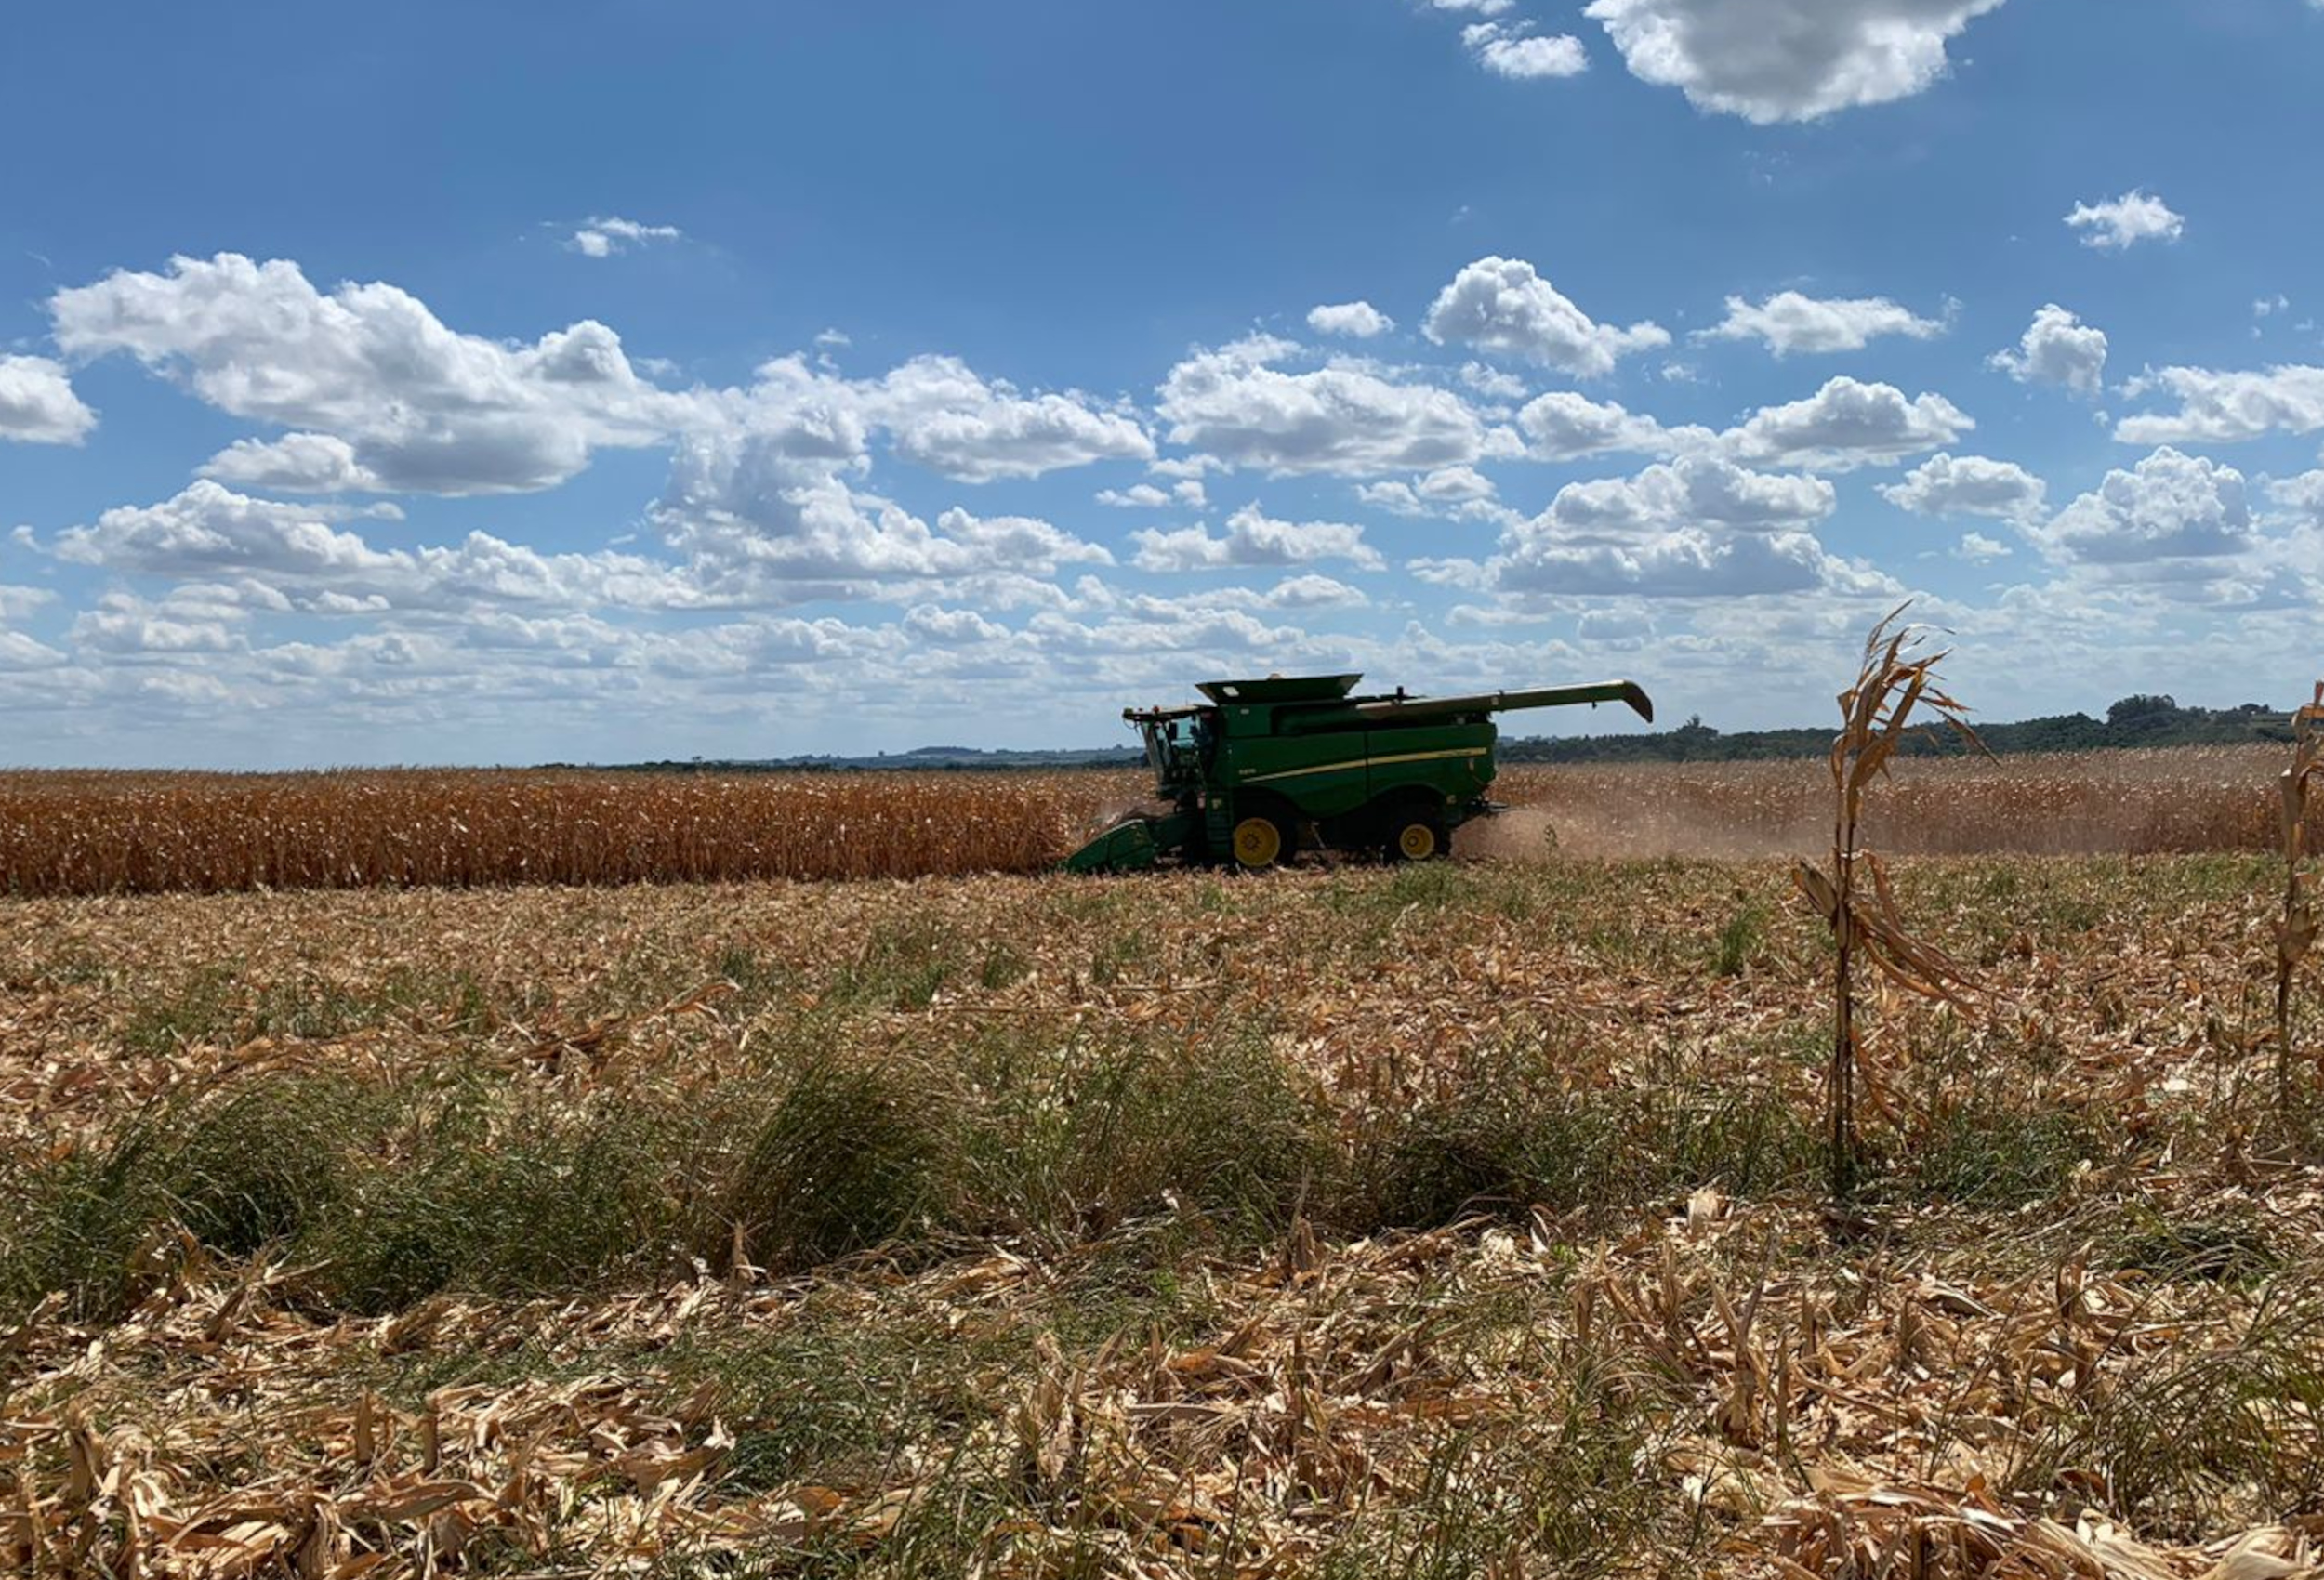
{"x": 1419, "y": 840}
{"x": 1259, "y": 842}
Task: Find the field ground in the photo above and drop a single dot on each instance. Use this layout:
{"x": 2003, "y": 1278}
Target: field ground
{"x": 1447, "y": 1220}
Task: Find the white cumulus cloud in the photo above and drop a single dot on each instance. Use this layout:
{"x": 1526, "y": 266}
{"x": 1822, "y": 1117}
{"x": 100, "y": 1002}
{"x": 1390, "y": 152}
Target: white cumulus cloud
{"x": 1313, "y": 591}
{"x": 939, "y": 414}
{"x": 1503, "y": 305}
{"x": 1522, "y": 56}
{"x": 1786, "y": 60}
{"x": 2120, "y": 222}
{"x": 1562, "y": 426}
{"x": 1789, "y": 322}
{"x": 1848, "y": 423}
{"x": 2304, "y": 494}
{"x": 1358, "y": 320}
{"x": 210, "y": 532}
{"x": 38, "y": 404}
{"x": 1492, "y": 383}
{"x": 2225, "y": 408}
{"x": 380, "y": 394}
{"x": 1450, "y": 491}
{"x": 602, "y": 238}
{"x": 1685, "y": 562}
{"x": 2169, "y": 506}
{"x": 20, "y": 651}
{"x": 1137, "y": 497}
{"x": 1254, "y": 539}
{"x": 1234, "y": 403}
{"x": 17, "y": 602}
{"x": 300, "y": 463}
{"x": 2057, "y": 348}
{"x": 423, "y": 408}
{"x": 1697, "y": 527}
{"x": 761, "y": 515}
{"x": 1693, "y": 490}
{"x": 1968, "y": 485}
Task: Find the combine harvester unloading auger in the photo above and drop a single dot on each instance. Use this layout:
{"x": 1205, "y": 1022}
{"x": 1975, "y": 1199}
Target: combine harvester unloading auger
{"x": 1267, "y": 768}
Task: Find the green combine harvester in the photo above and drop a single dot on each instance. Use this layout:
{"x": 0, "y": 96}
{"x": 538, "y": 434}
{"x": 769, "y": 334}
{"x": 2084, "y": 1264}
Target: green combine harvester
{"x": 1265, "y": 768}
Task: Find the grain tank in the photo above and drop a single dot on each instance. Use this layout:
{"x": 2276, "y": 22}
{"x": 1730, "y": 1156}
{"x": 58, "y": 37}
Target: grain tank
{"x": 1263, "y": 768}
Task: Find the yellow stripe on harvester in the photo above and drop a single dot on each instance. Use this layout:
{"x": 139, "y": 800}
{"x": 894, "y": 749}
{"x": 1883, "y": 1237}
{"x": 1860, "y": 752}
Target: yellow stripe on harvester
{"x": 1368, "y": 762}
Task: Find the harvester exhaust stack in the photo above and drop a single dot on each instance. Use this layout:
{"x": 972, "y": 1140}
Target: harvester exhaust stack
{"x": 1264, "y": 768}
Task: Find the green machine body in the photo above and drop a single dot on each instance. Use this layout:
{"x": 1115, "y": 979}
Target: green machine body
{"x": 1261, "y": 770}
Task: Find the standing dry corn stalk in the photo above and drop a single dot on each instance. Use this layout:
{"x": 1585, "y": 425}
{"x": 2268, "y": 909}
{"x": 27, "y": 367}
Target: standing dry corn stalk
{"x": 2296, "y": 935}
{"x": 1875, "y": 716}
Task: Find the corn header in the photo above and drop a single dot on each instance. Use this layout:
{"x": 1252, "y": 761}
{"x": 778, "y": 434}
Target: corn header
{"x": 1263, "y": 768}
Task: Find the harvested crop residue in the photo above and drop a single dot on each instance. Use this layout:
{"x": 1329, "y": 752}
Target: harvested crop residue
{"x": 1459, "y": 1215}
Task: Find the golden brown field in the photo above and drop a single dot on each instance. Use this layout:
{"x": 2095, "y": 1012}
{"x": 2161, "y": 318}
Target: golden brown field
{"x": 1459, "y": 1219}
{"x": 93, "y": 833}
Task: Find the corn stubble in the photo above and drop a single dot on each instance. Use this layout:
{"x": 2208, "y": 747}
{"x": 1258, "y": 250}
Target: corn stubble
{"x": 930, "y": 1229}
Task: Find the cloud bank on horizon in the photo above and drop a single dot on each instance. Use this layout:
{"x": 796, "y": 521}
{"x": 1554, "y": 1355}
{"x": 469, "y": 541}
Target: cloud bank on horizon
{"x": 271, "y": 510}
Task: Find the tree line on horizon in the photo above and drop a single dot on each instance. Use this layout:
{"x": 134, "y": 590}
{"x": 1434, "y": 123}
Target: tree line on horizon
{"x": 2140, "y": 720}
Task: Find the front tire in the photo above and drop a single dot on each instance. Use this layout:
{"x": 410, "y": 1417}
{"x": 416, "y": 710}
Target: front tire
{"x": 1260, "y": 842}
{"x": 1418, "y": 839}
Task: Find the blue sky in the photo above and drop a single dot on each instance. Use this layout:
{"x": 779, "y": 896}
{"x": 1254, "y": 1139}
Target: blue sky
{"x": 684, "y": 379}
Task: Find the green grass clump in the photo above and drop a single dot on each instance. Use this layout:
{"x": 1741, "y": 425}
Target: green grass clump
{"x": 835, "y": 1387}
{"x": 848, "y": 1156}
{"x": 2228, "y": 1245}
{"x": 464, "y": 1181}
{"x": 1988, "y": 1151}
{"x": 1740, "y": 939}
{"x": 269, "y": 1159}
{"x": 901, "y": 966}
{"x": 87, "y": 1224}
{"x": 506, "y": 1199}
{"x": 387, "y": 1194}
{"x": 1509, "y": 1130}
{"x": 1073, "y": 1137}
{"x": 1555, "y": 1491}
{"x": 2225, "y": 1432}
{"x": 199, "y": 1011}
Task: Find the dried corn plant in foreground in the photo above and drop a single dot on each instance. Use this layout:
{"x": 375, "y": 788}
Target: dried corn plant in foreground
{"x": 2295, "y": 934}
{"x": 1876, "y": 716}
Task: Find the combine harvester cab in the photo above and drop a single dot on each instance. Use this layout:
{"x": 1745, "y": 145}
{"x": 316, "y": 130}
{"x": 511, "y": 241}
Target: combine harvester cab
{"x": 1263, "y": 768}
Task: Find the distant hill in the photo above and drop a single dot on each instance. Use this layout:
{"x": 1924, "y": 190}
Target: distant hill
{"x": 2133, "y": 721}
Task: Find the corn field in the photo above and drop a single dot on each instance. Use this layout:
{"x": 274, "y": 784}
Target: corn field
{"x": 102, "y": 833}
{"x": 81, "y": 833}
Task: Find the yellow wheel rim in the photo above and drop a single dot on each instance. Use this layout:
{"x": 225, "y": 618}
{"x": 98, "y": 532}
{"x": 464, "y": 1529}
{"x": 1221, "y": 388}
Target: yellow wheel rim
{"x": 1257, "y": 842}
{"x": 1417, "y": 842}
